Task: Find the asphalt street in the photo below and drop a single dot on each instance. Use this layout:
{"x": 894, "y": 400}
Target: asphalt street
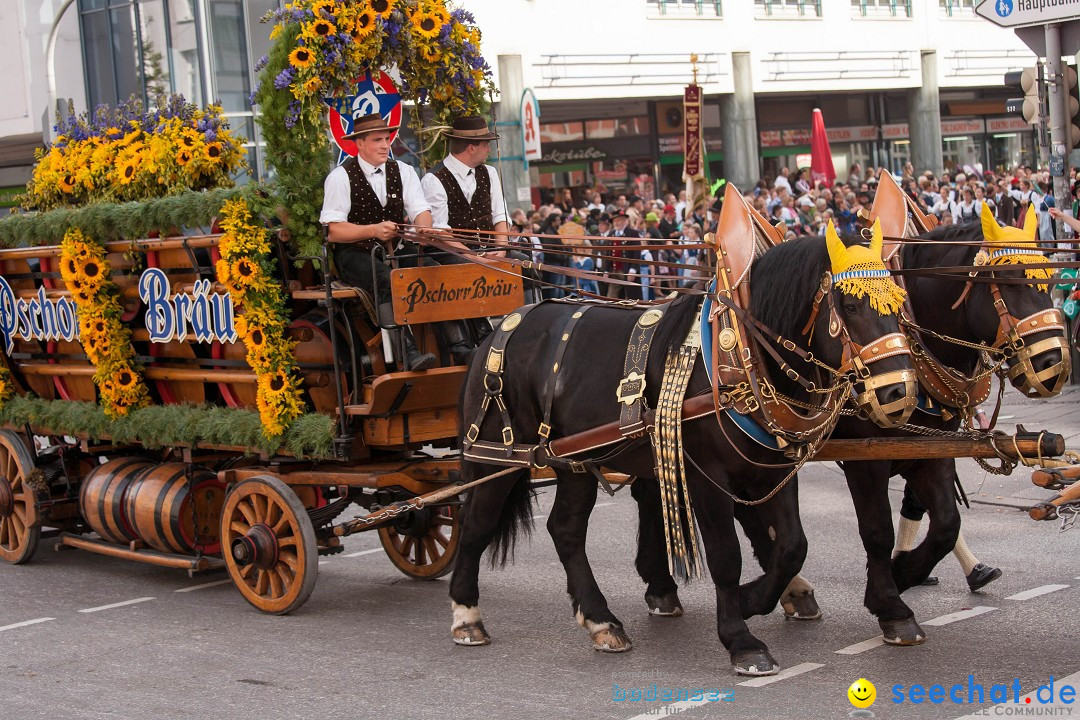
{"x": 83, "y": 636}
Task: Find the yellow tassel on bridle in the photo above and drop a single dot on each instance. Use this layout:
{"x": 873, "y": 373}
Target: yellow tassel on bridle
{"x": 860, "y": 272}
{"x": 1011, "y": 244}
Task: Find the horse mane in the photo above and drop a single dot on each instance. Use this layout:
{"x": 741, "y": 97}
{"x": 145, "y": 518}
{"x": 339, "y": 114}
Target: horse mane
{"x": 934, "y": 252}
{"x": 675, "y": 325}
{"x": 783, "y": 282}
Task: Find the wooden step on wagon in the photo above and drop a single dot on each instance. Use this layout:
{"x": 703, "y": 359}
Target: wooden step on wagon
{"x": 187, "y": 482}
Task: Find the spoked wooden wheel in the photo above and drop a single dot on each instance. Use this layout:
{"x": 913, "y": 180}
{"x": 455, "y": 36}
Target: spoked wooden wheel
{"x": 422, "y": 544}
{"x": 269, "y": 544}
{"x": 20, "y": 527}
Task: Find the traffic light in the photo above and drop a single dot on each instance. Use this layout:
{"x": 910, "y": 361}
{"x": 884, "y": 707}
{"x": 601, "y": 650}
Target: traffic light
{"x": 1073, "y": 113}
{"x": 1030, "y": 81}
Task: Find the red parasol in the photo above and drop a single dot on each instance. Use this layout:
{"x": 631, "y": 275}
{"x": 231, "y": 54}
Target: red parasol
{"x": 821, "y": 166}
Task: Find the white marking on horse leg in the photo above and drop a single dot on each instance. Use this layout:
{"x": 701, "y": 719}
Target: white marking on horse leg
{"x": 592, "y": 627}
{"x": 464, "y": 615}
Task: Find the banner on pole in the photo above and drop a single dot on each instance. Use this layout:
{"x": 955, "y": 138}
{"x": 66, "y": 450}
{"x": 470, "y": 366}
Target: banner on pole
{"x": 692, "y": 162}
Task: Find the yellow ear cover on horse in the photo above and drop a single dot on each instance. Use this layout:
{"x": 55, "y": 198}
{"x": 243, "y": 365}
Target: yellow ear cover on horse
{"x": 1010, "y": 246}
{"x": 859, "y": 271}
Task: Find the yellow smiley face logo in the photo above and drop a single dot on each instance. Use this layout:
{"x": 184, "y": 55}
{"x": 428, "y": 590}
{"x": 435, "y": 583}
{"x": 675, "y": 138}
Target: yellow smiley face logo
{"x": 862, "y": 693}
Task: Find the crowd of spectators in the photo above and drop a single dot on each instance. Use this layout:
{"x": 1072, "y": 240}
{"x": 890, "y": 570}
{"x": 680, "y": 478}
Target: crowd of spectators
{"x": 593, "y": 224}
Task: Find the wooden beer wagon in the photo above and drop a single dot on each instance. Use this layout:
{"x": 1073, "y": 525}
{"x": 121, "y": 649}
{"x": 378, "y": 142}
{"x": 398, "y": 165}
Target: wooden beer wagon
{"x": 200, "y": 503}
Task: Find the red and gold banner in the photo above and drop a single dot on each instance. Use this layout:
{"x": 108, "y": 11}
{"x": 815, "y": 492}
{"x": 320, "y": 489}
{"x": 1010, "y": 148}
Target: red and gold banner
{"x": 692, "y": 164}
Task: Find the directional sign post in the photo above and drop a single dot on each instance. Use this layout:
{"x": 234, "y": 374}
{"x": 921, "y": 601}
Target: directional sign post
{"x": 1022, "y": 13}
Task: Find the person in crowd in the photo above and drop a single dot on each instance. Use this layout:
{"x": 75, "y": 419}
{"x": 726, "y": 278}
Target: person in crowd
{"x": 944, "y": 203}
{"x": 669, "y": 227}
{"x": 967, "y": 210}
{"x": 782, "y": 180}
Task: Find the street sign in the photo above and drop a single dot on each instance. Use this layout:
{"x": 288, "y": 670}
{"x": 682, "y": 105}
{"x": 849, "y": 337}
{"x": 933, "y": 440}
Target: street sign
{"x": 530, "y": 126}
{"x": 1020, "y": 13}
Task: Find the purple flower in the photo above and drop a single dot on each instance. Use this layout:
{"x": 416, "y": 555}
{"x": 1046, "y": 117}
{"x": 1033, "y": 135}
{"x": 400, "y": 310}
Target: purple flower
{"x": 262, "y": 63}
{"x": 285, "y": 78}
{"x": 293, "y": 115}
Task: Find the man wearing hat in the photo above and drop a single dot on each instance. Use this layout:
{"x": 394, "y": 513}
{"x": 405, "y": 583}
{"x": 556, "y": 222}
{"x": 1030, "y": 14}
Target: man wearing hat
{"x": 465, "y": 194}
{"x": 621, "y": 234}
{"x": 364, "y": 201}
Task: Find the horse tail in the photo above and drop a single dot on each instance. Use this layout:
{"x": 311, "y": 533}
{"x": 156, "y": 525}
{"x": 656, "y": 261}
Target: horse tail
{"x": 515, "y": 518}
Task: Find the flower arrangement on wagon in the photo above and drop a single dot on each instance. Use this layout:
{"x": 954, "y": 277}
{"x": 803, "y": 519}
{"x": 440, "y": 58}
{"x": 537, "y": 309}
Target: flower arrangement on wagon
{"x": 322, "y": 47}
{"x": 131, "y": 153}
{"x": 105, "y": 338}
{"x": 244, "y": 269}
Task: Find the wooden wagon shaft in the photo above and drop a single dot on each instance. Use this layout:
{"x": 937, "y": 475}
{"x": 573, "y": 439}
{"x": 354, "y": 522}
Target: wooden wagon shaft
{"x": 929, "y": 448}
{"x": 1046, "y": 479}
{"x": 311, "y": 379}
{"x": 149, "y": 557}
{"x": 118, "y": 246}
{"x": 1048, "y": 510}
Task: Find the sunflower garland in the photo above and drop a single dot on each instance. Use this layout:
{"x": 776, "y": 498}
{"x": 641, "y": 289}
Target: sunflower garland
{"x": 244, "y": 268}
{"x": 106, "y": 340}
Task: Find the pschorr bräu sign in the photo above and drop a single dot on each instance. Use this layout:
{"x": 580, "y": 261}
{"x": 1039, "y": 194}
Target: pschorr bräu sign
{"x": 207, "y": 316}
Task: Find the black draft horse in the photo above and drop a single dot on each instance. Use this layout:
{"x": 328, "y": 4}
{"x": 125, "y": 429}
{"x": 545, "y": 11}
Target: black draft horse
{"x": 934, "y": 482}
{"x": 721, "y": 459}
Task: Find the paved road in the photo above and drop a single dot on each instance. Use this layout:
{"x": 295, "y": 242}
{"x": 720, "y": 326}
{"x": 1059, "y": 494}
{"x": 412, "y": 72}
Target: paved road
{"x": 370, "y": 643}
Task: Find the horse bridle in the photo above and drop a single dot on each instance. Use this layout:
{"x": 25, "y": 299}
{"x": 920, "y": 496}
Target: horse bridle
{"x": 1010, "y": 340}
{"x": 856, "y": 359}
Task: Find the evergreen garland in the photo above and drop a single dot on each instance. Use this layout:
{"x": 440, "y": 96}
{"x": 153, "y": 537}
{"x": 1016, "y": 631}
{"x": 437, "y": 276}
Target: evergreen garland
{"x": 107, "y": 222}
{"x": 163, "y": 426}
{"x": 298, "y": 149}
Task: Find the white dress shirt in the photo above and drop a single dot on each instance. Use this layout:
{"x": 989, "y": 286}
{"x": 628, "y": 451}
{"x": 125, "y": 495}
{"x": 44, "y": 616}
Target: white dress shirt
{"x": 337, "y": 195}
{"x": 466, "y": 180}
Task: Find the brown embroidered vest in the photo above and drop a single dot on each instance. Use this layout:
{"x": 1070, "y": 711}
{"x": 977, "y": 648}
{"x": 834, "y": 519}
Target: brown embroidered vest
{"x": 365, "y": 208}
{"x": 466, "y": 215}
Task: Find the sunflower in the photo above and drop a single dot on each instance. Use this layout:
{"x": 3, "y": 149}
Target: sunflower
{"x": 383, "y": 7}
{"x": 244, "y": 272}
{"x": 128, "y": 171}
{"x": 94, "y": 271}
{"x": 301, "y": 57}
{"x": 224, "y": 271}
{"x": 275, "y": 385}
{"x": 328, "y": 6}
{"x": 310, "y": 86}
{"x": 364, "y": 25}
{"x": 430, "y": 53}
{"x": 69, "y": 268}
{"x": 320, "y": 28}
{"x": 124, "y": 379}
{"x": 213, "y": 152}
{"x": 427, "y": 24}
{"x": 255, "y": 338}
{"x": 183, "y": 158}
{"x": 67, "y": 183}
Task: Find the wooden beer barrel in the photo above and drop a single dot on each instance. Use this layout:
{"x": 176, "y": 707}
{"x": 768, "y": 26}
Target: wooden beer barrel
{"x": 101, "y": 498}
{"x": 163, "y": 505}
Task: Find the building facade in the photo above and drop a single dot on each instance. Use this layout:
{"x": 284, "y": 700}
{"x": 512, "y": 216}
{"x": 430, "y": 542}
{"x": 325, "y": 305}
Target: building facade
{"x": 897, "y": 81}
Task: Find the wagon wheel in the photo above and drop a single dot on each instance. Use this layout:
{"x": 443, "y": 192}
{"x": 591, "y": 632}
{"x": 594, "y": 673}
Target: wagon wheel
{"x": 269, "y": 544}
{"x": 422, "y": 543}
{"x": 20, "y": 526}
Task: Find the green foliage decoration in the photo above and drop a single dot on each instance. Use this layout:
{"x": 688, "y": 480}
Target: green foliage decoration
{"x": 163, "y": 426}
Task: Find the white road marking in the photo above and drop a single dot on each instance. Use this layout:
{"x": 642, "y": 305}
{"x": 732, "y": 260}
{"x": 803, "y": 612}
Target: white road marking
{"x": 1036, "y": 592}
{"x": 603, "y": 504}
{"x": 362, "y": 552}
{"x": 1047, "y": 708}
{"x": 861, "y": 647}
{"x": 960, "y": 615}
{"x": 24, "y": 623}
{"x": 538, "y": 517}
{"x": 116, "y": 605}
{"x": 782, "y": 675}
{"x": 323, "y": 562}
{"x": 193, "y": 588}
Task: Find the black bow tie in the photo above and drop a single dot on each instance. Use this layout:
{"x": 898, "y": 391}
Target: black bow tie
{"x": 468, "y": 173}
{"x": 377, "y": 171}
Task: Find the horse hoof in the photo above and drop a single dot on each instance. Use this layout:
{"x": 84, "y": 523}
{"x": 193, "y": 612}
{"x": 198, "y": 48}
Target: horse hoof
{"x": 612, "y": 639}
{"x": 471, "y": 634}
{"x": 801, "y": 607}
{"x": 902, "y": 632}
{"x": 664, "y": 605}
{"x": 754, "y": 663}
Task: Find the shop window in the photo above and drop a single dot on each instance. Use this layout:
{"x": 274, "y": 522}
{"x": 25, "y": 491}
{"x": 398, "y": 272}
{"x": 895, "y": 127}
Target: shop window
{"x": 617, "y": 127}
{"x": 957, "y": 8}
{"x": 561, "y": 132}
{"x": 685, "y": 8}
{"x": 788, "y": 8}
{"x": 882, "y": 8}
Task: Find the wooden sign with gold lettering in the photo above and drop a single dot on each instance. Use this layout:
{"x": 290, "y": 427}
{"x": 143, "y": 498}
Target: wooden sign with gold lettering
{"x": 455, "y": 292}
